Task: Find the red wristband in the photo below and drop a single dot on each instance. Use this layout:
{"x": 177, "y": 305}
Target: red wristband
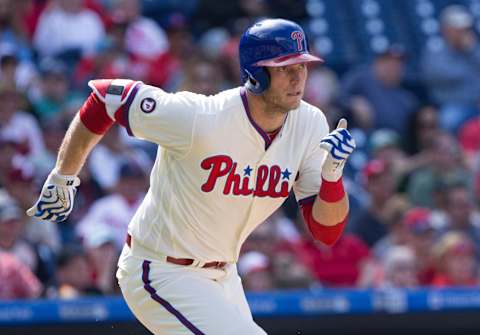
{"x": 331, "y": 191}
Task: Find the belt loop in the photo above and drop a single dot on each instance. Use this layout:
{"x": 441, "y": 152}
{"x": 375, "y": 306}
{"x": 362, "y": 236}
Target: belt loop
{"x": 196, "y": 263}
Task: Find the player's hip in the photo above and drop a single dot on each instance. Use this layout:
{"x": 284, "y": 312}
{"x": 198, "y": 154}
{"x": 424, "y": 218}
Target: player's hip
{"x": 135, "y": 256}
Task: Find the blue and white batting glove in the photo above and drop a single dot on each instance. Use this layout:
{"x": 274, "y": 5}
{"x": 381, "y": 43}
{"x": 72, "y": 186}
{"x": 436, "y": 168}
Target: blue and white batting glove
{"x": 56, "y": 199}
{"x": 339, "y": 144}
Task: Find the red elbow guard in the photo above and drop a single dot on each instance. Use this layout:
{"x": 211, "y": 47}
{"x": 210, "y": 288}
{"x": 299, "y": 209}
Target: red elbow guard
{"x": 107, "y": 102}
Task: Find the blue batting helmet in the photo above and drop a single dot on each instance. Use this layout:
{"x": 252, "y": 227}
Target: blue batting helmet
{"x": 271, "y": 42}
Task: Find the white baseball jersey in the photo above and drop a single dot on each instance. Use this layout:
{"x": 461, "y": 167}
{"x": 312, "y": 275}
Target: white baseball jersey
{"x": 217, "y": 175}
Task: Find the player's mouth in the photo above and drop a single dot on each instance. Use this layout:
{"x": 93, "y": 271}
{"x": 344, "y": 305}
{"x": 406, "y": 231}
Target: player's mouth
{"x": 294, "y": 94}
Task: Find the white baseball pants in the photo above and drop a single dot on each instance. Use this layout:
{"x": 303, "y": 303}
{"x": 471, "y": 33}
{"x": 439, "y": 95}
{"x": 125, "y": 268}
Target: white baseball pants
{"x": 172, "y": 299}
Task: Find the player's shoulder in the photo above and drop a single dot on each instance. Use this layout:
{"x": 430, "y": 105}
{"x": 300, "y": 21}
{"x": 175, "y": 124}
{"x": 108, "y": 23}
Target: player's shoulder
{"x": 214, "y": 104}
{"x": 309, "y": 114}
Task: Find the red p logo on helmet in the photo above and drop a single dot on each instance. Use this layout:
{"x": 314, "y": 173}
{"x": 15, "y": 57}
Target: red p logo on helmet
{"x": 298, "y": 36}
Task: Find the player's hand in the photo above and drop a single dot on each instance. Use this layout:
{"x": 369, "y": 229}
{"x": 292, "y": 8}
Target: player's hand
{"x": 339, "y": 144}
{"x": 56, "y": 199}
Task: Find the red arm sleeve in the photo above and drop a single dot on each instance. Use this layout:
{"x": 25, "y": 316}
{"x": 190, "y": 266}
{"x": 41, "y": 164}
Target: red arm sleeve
{"x": 326, "y": 234}
{"x": 94, "y": 116}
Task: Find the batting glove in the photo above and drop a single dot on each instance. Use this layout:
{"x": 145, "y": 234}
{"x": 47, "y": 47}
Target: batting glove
{"x": 56, "y": 199}
{"x": 339, "y": 144}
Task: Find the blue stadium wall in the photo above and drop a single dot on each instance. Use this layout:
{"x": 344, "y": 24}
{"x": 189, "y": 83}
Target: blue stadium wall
{"x": 419, "y": 311}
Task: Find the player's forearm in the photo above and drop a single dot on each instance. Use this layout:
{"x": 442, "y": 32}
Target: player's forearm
{"x": 330, "y": 213}
{"x": 76, "y": 145}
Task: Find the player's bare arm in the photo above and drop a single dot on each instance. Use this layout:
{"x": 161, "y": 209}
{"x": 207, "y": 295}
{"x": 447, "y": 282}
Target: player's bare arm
{"x": 98, "y": 113}
{"x": 76, "y": 145}
{"x": 330, "y": 213}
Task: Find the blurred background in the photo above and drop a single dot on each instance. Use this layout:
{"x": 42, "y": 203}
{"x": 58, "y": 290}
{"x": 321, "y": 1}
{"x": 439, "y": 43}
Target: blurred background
{"x": 406, "y": 75}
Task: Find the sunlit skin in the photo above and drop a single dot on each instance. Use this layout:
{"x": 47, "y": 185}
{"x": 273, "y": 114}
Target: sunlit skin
{"x": 287, "y": 86}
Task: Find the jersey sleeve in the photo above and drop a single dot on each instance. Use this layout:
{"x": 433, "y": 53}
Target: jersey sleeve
{"x": 164, "y": 118}
{"x": 307, "y": 184}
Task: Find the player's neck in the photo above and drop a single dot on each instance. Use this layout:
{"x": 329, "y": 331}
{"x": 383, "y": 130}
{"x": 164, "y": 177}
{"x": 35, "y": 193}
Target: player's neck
{"x": 267, "y": 117}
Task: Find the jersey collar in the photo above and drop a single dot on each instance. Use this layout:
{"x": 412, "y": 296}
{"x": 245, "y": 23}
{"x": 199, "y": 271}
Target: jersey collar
{"x": 263, "y": 134}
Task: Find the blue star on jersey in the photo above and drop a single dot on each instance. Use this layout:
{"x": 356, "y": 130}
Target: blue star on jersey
{"x": 247, "y": 171}
{"x": 286, "y": 174}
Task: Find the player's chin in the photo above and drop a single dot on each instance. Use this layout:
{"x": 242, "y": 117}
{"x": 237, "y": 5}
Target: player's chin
{"x": 293, "y": 102}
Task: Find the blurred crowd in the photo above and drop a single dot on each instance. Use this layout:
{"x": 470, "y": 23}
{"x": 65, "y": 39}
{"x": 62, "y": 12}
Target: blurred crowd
{"x": 414, "y": 180}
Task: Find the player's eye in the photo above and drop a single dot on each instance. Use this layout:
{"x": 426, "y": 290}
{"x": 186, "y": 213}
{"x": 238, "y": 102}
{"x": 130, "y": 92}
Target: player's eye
{"x": 282, "y": 69}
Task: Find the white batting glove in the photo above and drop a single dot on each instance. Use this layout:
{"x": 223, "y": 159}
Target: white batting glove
{"x": 339, "y": 144}
{"x": 56, "y": 199}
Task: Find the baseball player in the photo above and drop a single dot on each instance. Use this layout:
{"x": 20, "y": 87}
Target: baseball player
{"x": 224, "y": 164}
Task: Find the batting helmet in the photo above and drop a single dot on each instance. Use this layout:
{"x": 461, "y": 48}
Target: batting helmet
{"x": 271, "y": 42}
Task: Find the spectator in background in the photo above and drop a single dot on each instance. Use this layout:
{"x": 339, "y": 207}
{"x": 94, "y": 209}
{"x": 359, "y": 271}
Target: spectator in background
{"x": 255, "y": 270}
{"x": 423, "y": 127}
{"x": 271, "y": 251}
{"x": 14, "y": 73}
{"x": 101, "y": 248}
{"x": 336, "y": 266}
{"x": 20, "y": 186}
{"x": 385, "y": 144}
{"x": 397, "y": 235}
{"x": 455, "y": 261}
{"x": 74, "y": 274}
{"x": 421, "y": 237}
{"x": 108, "y": 157}
{"x": 30, "y": 12}
{"x": 110, "y": 61}
{"x": 62, "y": 31}
{"x": 182, "y": 48}
{"x": 8, "y": 151}
{"x": 399, "y": 268}
{"x": 229, "y": 54}
{"x": 446, "y": 163}
{"x": 288, "y": 270}
{"x": 113, "y": 212}
{"x": 451, "y": 72}
{"x": 374, "y": 95}
{"x": 55, "y": 100}
{"x": 14, "y": 238}
{"x": 322, "y": 90}
{"x": 18, "y": 281}
{"x": 369, "y": 224}
{"x": 144, "y": 38}
{"x": 19, "y": 126}
{"x": 12, "y": 226}
{"x": 145, "y": 41}
{"x": 14, "y": 32}
{"x": 469, "y": 138}
{"x": 202, "y": 77}
{"x": 461, "y": 214}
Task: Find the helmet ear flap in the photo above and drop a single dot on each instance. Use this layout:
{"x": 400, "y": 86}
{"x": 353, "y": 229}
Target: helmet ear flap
{"x": 258, "y": 81}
